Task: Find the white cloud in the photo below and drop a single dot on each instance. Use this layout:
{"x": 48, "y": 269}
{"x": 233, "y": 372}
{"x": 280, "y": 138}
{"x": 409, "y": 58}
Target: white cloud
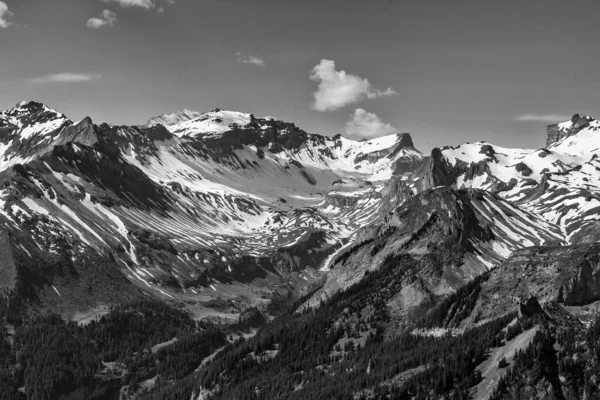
{"x": 337, "y": 89}
{"x": 107, "y": 19}
{"x": 363, "y": 124}
{"x": 65, "y": 77}
{"x": 4, "y": 15}
{"x": 547, "y": 118}
{"x": 242, "y": 59}
{"x": 146, "y": 4}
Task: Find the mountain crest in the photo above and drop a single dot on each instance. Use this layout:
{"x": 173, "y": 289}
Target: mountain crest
{"x": 557, "y": 132}
{"x": 405, "y": 140}
{"x": 28, "y": 129}
{"x": 174, "y": 118}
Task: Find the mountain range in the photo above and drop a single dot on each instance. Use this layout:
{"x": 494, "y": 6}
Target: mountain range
{"x": 233, "y": 218}
{"x": 190, "y": 210}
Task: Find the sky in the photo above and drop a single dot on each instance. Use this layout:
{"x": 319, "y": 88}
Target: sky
{"x": 447, "y": 71}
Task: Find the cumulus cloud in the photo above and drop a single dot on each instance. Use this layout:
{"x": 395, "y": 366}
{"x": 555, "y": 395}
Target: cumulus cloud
{"x": 338, "y": 88}
{"x": 4, "y": 15}
{"x": 363, "y": 124}
{"x": 249, "y": 59}
{"x": 107, "y": 19}
{"x": 65, "y": 77}
{"x": 547, "y": 118}
{"x": 146, "y": 4}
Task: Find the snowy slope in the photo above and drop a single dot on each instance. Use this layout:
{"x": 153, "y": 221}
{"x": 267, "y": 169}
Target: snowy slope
{"x": 212, "y": 123}
{"x": 584, "y": 143}
{"x": 267, "y": 198}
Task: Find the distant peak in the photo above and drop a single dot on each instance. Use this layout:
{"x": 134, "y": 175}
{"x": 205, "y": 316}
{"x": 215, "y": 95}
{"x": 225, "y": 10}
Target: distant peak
{"x": 558, "y": 132}
{"x": 185, "y": 115}
{"x": 22, "y": 104}
{"x": 174, "y": 118}
{"x": 87, "y": 121}
{"x": 34, "y": 107}
{"x": 405, "y": 140}
{"x": 31, "y": 105}
{"x": 576, "y": 118}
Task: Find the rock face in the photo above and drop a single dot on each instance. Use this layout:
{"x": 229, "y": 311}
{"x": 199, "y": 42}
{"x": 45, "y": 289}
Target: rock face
{"x": 554, "y": 134}
{"x": 557, "y": 132}
{"x": 529, "y": 307}
{"x": 569, "y": 275}
{"x": 455, "y": 235}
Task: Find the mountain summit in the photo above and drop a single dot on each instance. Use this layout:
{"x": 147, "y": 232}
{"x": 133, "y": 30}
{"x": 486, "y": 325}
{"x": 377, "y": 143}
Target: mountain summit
{"x": 174, "y": 118}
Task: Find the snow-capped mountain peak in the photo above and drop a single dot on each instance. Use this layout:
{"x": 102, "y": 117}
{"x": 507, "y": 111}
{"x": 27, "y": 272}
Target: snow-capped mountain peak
{"x": 195, "y": 123}
{"x": 31, "y": 118}
{"x": 28, "y": 113}
{"x": 27, "y": 129}
{"x": 557, "y": 132}
{"x": 576, "y": 122}
{"x": 174, "y": 118}
{"x": 579, "y": 138}
{"x": 212, "y": 123}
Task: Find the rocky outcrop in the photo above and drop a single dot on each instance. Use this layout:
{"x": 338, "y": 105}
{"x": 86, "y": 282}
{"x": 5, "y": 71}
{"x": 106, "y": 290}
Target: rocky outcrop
{"x": 523, "y": 169}
{"x": 404, "y": 141}
{"x": 557, "y": 132}
{"x": 529, "y": 307}
{"x": 584, "y": 284}
{"x": 83, "y": 132}
{"x": 278, "y": 136}
{"x": 569, "y": 275}
{"x": 8, "y": 270}
{"x": 554, "y": 134}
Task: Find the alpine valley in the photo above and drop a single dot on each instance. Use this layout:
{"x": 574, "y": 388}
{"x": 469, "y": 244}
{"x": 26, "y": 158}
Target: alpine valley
{"x": 221, "y": 255}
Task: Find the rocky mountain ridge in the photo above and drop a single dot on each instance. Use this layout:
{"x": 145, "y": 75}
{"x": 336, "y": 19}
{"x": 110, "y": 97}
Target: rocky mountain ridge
{"x": 557, "y": 132}
{"x": 558, "y": 185}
